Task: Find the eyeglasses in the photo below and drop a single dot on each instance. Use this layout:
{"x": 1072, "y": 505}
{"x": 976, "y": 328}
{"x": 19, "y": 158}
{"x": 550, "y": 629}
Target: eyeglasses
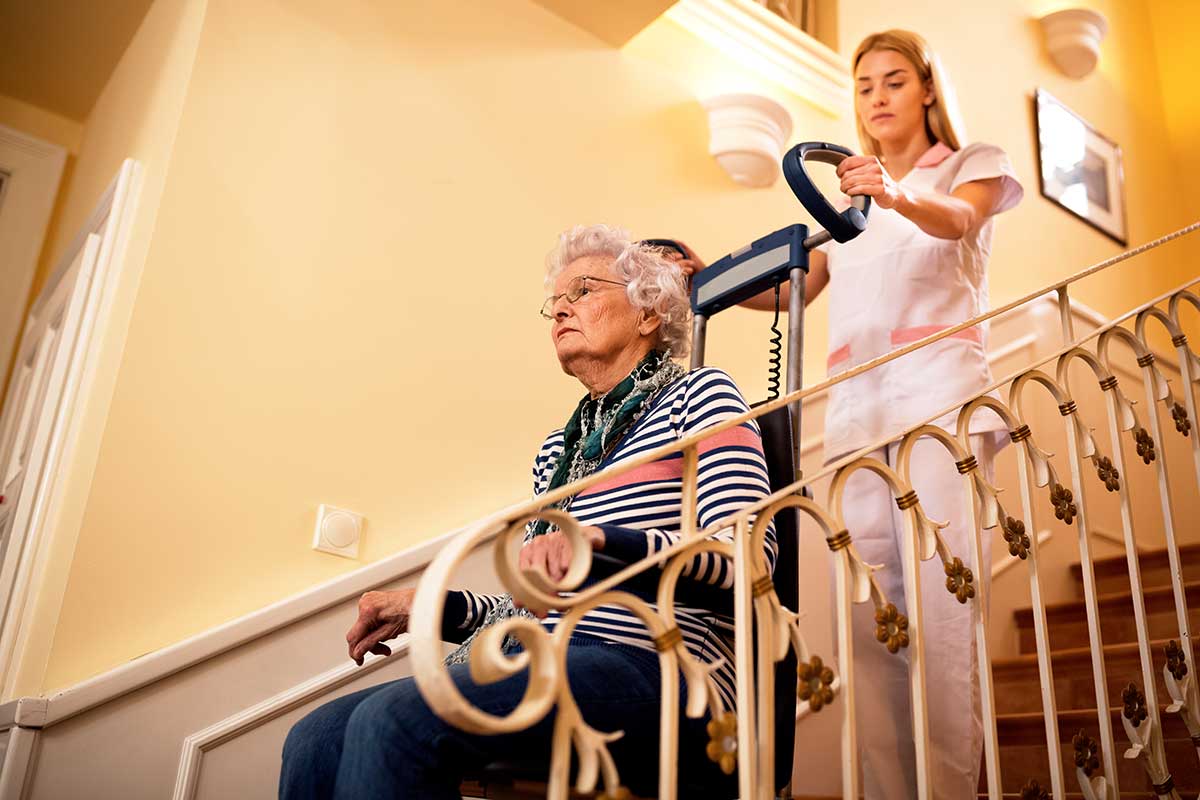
{"x": 577, "y": 288}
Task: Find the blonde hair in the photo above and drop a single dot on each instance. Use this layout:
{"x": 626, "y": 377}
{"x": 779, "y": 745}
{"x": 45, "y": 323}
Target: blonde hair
{"x": 943, "y": 123}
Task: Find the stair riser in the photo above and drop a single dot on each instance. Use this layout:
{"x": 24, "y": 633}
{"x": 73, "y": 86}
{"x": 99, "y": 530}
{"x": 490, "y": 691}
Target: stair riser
{"x": 1116, "y": 625}
{"x": 1112, "y": 574}
{"x": 1020, "y": 763}
{"x": 1019, "y": 689}
{"x": 1151, "y": 579}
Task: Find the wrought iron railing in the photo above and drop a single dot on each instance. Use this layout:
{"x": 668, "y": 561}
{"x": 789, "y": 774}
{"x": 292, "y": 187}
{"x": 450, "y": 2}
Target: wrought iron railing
{"x": 1062, "y": 484}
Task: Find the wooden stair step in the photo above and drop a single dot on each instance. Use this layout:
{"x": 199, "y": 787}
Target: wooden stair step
{"x": 1018, "y": 684}
{"x": 1112, "y": 572}
{"x": 1027, "y": 726}
{"x": 1067, "y": 621}
{"x": 1019, "y": 764}
{"x": 1023, "y": 750}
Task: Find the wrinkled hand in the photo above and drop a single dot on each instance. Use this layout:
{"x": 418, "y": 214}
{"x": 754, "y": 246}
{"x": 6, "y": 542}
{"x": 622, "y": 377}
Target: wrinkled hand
{"x": 689, "y": 264}
{"x": 381, "y": 616}
{"x": 865, "y": 175}
{"x": 550, "y": 554}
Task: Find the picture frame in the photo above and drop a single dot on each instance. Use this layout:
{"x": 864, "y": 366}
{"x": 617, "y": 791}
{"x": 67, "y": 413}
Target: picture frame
{"x": 1080, "y": 169}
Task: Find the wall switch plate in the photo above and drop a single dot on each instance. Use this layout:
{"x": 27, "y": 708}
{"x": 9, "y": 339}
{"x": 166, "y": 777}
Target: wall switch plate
{"x": 338, "y": 531}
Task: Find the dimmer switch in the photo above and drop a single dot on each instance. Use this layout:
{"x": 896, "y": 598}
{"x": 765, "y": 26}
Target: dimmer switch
{"x": 338, "y": 531}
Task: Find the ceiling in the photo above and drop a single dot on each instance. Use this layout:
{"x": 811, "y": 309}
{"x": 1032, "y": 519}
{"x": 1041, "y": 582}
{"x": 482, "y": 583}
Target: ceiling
{"x": 58, "y": 54}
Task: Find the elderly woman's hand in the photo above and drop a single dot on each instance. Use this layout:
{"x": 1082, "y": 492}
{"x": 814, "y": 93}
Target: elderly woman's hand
{"x": 551, "y": 553}
{"x": 381, "y": 616}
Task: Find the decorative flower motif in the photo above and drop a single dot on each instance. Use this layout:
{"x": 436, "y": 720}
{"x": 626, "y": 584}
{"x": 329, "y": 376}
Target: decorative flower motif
{"x": 816, "y": 683}
{"x": 1145, "y": 445}
{"x": 1086, "y": 750}
{"x": 1063, "y": 502}
{"x": 891, "y": 627}
{"x": 1182, "y": 423}
{"x": 722, "y": 741}
{"x": 620, "y": 793}
{"x": 959, "y": 580}
{"x": 1014, "y": 534}
{"x": 1034, "y": 791}
{"x": 1135, "y": 705}
{"x": 1176, "y": 663}
{"x": 1109, "y": 476}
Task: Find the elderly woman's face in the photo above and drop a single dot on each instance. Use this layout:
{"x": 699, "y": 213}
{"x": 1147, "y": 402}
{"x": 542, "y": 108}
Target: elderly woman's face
{"x": 602, "y": 324}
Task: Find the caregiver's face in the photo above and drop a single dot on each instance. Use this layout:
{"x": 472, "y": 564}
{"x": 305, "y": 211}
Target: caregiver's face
{"x": 890, "y": 97}
{"x": 592, "y": 315}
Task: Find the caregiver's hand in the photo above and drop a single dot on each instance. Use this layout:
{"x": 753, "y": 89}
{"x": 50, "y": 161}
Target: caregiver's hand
{"x": 865, "y": 175}
{"x": 689, "y": 264}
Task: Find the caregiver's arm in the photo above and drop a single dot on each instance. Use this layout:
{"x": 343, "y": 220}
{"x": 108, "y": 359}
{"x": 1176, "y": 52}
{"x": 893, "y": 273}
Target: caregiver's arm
{"x": 946, "y": 216}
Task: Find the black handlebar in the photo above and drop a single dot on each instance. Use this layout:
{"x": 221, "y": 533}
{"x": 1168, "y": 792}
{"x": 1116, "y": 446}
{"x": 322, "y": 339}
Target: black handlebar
{"x": 842, "y": 227}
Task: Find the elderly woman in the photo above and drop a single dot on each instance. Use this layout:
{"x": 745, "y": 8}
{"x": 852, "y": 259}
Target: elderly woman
{"x": 618, "y": 312}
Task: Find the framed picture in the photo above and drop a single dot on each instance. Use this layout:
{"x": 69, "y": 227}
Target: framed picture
{"x": 1080, "y": 170}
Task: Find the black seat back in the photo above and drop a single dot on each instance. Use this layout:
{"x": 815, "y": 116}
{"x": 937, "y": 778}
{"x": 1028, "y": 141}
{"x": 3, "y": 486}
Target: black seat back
{"x": 779, "y": 450}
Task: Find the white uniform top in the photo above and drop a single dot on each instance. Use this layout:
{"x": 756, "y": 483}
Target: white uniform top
{"x": 895, "y": 284}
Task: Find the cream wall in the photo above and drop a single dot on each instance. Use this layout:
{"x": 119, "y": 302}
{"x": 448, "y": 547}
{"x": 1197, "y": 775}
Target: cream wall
{"x": 341, "y": 300}
{"x": 339, "y": 297}
{"x": 1176, "y": 31}
{"x": 39, "y": 122}
{"x": 136, "y": 116}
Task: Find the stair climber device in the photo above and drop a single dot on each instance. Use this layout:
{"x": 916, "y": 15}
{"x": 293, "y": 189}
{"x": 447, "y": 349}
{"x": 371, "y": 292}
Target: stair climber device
{"x": 780, "y": 256}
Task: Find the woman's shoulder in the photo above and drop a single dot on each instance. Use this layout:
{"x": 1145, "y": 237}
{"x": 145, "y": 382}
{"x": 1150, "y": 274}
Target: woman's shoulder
{"x": 701, "y": 377}
{"x": 705, "y": 386}
{"x": 979, "y": 150}
{"x": 699, "y": 385}
{"x": 983, "y": 161}
{"x": 551, "y": 446}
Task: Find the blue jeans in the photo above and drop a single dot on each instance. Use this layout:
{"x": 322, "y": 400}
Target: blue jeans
{"x": 385, "y": 742}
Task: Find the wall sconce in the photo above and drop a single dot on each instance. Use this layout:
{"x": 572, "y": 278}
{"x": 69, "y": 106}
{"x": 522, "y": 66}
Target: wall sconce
{"x": 1073, "y": 38}
{"x": 747, "y": 133}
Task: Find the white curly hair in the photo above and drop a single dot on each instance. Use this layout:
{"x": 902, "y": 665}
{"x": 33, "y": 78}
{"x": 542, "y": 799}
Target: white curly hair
{"x": 655, "y": 283}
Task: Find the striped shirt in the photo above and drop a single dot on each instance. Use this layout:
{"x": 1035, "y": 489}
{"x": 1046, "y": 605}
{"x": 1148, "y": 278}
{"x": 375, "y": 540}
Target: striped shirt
{"x": 639, "y": 512}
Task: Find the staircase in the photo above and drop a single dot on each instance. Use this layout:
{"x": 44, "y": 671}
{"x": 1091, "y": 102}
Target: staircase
{"x": 1018, "y": 700}
{"x": 1018, "y": 696}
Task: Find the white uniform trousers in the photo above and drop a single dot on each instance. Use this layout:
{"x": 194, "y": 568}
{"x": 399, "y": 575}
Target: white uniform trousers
{"x": 884, "y": 713}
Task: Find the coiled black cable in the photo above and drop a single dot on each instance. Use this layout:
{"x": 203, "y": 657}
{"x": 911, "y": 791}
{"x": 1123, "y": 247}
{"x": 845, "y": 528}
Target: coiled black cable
{"x": 776, "y": 358}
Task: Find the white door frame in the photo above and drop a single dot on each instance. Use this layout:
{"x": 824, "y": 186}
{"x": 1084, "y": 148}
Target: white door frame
{"x": 34, "y": 169}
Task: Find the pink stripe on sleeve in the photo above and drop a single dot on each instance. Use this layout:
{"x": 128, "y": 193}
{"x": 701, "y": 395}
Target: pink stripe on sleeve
{"x": 667, "y": 470}
{"x": 837, "y": 356}
{"x": 741, "y": 436}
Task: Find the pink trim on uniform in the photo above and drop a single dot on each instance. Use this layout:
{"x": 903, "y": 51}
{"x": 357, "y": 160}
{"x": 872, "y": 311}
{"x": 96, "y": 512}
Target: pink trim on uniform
{"x": 934, "y": 155}
{"x": 908, "y": 335}
{"x": 837, "y": 356}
